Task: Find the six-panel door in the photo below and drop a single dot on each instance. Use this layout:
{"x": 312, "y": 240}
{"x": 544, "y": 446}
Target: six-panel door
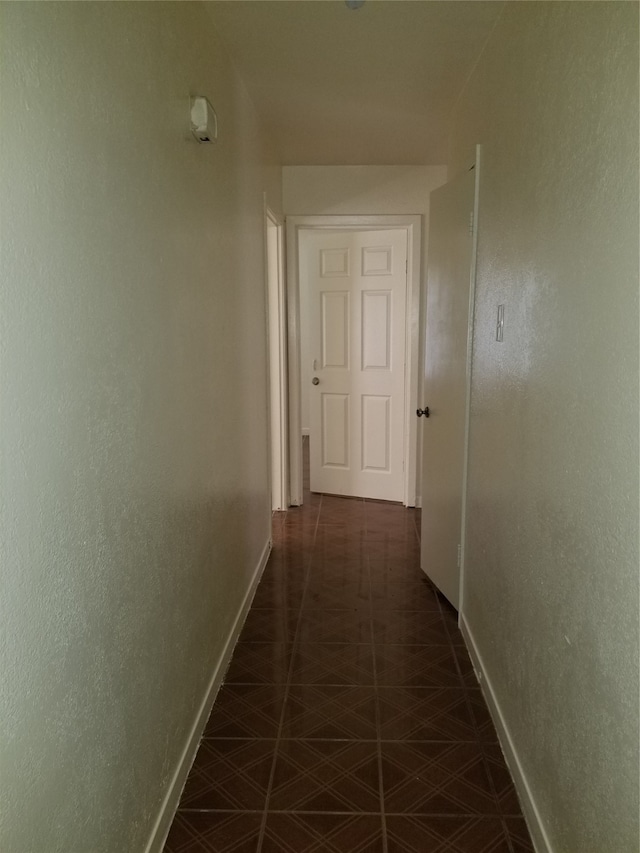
{"x": 357, "y": 286}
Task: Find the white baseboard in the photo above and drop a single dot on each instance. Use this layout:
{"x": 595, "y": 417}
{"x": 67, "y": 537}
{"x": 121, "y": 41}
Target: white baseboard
{"x": 172, "y": 798}
{"x": 539, "y": 837}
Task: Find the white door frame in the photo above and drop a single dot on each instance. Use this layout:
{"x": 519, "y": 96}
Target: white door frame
{"x": 276, "y": 360}
{"x": 470, "y": 341}
{"x": 412, "y": 224}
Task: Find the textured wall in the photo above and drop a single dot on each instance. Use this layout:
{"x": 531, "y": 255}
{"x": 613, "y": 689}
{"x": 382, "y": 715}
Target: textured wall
{"x": 134, "y": 459}
{"x": 339, "y": 190}
{"x": 551, "y": 593}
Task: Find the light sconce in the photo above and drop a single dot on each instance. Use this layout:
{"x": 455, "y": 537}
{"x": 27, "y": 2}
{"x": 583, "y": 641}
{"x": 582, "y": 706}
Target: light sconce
{"x": 204, "y": 122}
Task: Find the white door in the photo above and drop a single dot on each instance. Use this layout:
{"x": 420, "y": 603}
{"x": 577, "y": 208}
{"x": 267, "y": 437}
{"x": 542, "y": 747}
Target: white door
{"x": 447, "y": 340}
{"x": 357, "y": 283}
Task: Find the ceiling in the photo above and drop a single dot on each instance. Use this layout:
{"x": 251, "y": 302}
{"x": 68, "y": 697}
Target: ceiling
{"x": 373, "y": 86}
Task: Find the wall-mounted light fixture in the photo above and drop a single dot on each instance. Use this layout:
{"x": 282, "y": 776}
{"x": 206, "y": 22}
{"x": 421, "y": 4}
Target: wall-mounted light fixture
{"x": 204, "y": 122}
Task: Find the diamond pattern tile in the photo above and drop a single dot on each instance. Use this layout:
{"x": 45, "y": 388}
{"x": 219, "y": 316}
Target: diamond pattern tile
{"x": 393, "y": 535}
{"x": 350, "y": 719}
{"x": 334, "y": 626}
{"x": 425, "y": 713}
{"x": 229, "y": 774}
{"x": 404, "y": 596}
{"x": 300, "y": 541}
{"x": 329, "y": 833}
{"x": 395, "y": 569}
{"x": 261, "y": 663}
{"x": 319, "y": 711}
{"x": 395, "y": 549}
{"x": 335, "y": 663}
{"x": 481, "y": 716}
{"x": 417, "y": 834}
{"x": 334, "y": 572}
{"x": 409, "y": 627}
{"x": 338, "y": 509}
{"x": 465, "y": 666}
{"x": 301, "y": 519}
{"x": 418, "y": 666}
{"x": 331, "y": 546}
{"x": 291, "y": 562}
{"x": 282, "y": 593}
{"x": 246, "y": 711}
{"x": 350, "y": 524}
{"x": 214, "y": 832}
{"x": 501, "y": 779}
{"x": 269, "y": 626}
{"x": 326, "y": 776}
{"x": 436, "y": 778}
{"x": 345, "y": 596}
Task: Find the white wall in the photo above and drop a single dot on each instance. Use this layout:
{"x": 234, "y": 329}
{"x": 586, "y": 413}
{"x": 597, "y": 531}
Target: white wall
{"x": 134, "y": 497}
{"x": 551, "y": 591}
{"x": 344, "y": 190}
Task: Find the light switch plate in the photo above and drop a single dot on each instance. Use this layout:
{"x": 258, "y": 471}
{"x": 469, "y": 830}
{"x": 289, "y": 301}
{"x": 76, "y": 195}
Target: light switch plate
{"x": 500, "y": 324}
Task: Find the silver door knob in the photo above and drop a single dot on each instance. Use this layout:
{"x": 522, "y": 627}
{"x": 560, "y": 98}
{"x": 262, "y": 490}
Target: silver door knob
{"x": 315, "y": 381}
{"x": 421, "y": 412}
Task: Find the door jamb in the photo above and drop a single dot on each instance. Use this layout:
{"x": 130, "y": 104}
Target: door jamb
{"x": 277, "y": 426}
{"x": 470, "y": 340}
{"x": 412, "y": 224}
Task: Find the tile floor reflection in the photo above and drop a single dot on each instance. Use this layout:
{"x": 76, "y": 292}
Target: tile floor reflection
{"x": 350, "y": 720}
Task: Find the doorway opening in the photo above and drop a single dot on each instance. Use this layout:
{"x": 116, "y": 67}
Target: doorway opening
{"x": 364, "y": 320}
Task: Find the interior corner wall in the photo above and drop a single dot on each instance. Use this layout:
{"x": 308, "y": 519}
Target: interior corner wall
{"x": 134, "y": 495}
{"x": 551, "y": 583}
{"x": 356, "y": 190}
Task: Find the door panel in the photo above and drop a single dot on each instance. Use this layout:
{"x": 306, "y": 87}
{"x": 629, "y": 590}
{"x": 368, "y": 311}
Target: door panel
{"x": 335, "y": 329}
{"x": 357, "y": 286}
{"x": 335, "y": 430}
{"x": 446, "y": 362}
{"x": 376, "y": 330}
{"x": 375, "y": 433}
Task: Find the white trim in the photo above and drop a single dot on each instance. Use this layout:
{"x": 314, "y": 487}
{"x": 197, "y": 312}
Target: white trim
{"x": 277, "y": 422}
{"x": 467, "y": 410}
{"x": 293, "y": 340}
{"x": 530, "y": 810}
{"x": 413, "y": 226}
{"x": 169, "y": 805}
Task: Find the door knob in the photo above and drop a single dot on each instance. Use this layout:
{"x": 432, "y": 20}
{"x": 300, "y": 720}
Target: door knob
{"x": 421, "y": 412}
{"x": 315, "y": 381}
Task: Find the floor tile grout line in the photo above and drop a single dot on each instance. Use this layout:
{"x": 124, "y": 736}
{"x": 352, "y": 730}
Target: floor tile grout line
{"x": 458, "y": 814}
{"x": 363, "y": 537}
{"x": 343, "y": 684}
{"x": 391, "y": 740}
{"x": 276, "y": 750}
{"x": 349, "y": 812}
{"x": 383, "y": 819}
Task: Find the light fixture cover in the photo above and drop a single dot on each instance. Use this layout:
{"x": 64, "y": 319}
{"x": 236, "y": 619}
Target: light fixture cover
{"x": 204, "y": 122}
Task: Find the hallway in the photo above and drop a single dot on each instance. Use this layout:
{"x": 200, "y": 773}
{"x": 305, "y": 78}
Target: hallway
{"x": 350, "y": 718}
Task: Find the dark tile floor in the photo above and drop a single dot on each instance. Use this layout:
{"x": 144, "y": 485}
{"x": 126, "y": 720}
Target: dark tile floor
{"x": 350, "y": 720}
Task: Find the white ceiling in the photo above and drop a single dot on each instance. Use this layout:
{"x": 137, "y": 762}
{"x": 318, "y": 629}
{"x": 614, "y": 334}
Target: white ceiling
{"x": 342, "y": 87}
